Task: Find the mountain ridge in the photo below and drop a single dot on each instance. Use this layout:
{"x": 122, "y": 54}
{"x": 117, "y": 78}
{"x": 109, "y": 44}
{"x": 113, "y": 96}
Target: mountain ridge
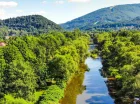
{"x": 112, "y": 14}
{"x": 31, "y": 24}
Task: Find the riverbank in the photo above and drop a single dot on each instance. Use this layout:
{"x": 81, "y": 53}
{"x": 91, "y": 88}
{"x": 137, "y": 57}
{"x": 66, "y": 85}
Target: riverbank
{"x": 74, "y": 87}
{"x": 88, "y": 87}
{"x": 120, "y": 59}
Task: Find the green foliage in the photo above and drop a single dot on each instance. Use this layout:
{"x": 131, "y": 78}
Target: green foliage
{"x": 3, "y": 32}
{"x": 94, "y": 56}
{"x": 116, "y": 17}
{"x": 52, "y": 95}
{"x": 31, "y": 64}
{"x": 8, "y": 99}
{"x": 20, "y": 78}
{"x": 34, "y": 24}
{"x": 120, "y": 53}
{"x": 11, "y": 53}
{"x": 25, "y": 25}
{"x": 94, "y": 53}
{"x": 61, "y": 67}
{"x": 38, "y": 94}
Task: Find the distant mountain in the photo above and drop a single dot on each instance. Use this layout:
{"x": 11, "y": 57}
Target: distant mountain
{"x": 31, "y": 24}
{"x": 131, "y": 24}
{"x": 109, "y": 15}
{"x": 135, "y": 20}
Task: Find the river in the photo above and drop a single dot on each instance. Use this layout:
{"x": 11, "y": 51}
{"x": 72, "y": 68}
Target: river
{"x": 88, "y": 87}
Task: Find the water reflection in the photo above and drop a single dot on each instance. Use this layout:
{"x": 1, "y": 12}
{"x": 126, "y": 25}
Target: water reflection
{"x": 96, "y": 90}
{"x": 74, "y": 88}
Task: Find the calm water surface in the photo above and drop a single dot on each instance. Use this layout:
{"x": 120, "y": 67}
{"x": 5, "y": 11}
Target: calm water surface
{"x": 89, "y": 87}
{"x": 96, "y": 90}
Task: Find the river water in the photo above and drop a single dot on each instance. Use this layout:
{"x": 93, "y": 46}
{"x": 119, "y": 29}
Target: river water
{"x": 88, "y": 87}
{"x": 96, "y": 90}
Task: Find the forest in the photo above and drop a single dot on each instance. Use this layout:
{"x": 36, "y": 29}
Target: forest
{"x": 40, "y": 59}
{"x": 120, "y": 52}
{"x": 36, "y": 69}
{"x": 113, "y": 17}
{"x": 32, "y": 24}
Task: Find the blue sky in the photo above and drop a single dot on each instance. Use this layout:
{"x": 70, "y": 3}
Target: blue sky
{"x": 58, "y": 11}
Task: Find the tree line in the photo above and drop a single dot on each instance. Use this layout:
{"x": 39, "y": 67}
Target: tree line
{"x": 35, "y": 69}
{"x": 120, "y": 52}
{"x": 32, "y": 24}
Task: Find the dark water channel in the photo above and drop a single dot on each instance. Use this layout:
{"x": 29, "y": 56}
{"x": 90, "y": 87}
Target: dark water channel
{"x": 88, "y": 87}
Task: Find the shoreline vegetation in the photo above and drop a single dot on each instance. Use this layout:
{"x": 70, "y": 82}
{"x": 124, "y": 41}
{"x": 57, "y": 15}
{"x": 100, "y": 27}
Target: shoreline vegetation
{"x": 120, "y": 58}
{"x": 41, "y": 62}
{"x": 36, "y": 69}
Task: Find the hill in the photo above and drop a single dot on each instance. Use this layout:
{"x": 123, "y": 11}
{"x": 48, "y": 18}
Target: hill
{"x": 131, "y": 24}
{"x": 135, "y": 20}
{"x": 31, "y": 24}
{"x": 109, "y": 15}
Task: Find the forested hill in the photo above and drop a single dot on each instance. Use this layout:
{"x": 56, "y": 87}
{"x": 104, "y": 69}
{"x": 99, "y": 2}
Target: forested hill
{"x": 131, "y": 24}
{"x": 109, "y": 15}
{"x": 0, "y": 22}
{"x": 32, "y": 24}
{"x": 136, "y": 20}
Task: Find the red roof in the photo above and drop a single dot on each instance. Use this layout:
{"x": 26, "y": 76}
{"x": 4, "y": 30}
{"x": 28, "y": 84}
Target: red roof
{"x": 2, "y": 44}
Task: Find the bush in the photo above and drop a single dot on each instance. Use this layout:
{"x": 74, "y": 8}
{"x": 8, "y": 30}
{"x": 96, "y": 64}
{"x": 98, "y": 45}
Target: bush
{"x": 10, "y": 100}
{"x": 52, "y": 95}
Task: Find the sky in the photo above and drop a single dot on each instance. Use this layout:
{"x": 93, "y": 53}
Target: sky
{"x": 59, "y": 11}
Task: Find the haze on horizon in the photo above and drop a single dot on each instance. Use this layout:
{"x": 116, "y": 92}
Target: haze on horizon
{"x": 59, "y": 11}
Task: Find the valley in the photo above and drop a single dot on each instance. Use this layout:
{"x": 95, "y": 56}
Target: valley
{"x": 93, "y": 59}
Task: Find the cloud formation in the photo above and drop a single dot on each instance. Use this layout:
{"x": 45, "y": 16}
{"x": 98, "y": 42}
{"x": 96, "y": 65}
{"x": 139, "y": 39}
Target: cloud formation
{"x": 79, "y": 1}
{"x": 10, "y": 4}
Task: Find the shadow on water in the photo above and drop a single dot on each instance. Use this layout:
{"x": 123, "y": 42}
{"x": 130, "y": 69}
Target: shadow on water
{"x": 95, "y": 92}
{"x": 74, "y": 88}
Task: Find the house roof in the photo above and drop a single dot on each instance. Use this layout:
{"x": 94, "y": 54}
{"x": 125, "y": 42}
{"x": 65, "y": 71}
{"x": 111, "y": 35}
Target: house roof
{"x": 2, "y": 44}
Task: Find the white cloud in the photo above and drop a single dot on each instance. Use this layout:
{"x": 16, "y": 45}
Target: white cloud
{"x": 4, "y": 4}
{"x": 44, "y": 2}
{"x": 59, "y": 2}
{"x": 80, "y": 1}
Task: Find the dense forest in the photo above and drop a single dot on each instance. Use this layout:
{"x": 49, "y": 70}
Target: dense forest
{"x": 91, "y": 59}
{"x": 6, "y": 33}
{"x": 32, "y": 24}
{"x": 120, "y": 52}
{"x": 133, "y": 24}
{"x": 109, "y": 18}
{"x": 36, "y": 69}
{"x": 39, "y": 59}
